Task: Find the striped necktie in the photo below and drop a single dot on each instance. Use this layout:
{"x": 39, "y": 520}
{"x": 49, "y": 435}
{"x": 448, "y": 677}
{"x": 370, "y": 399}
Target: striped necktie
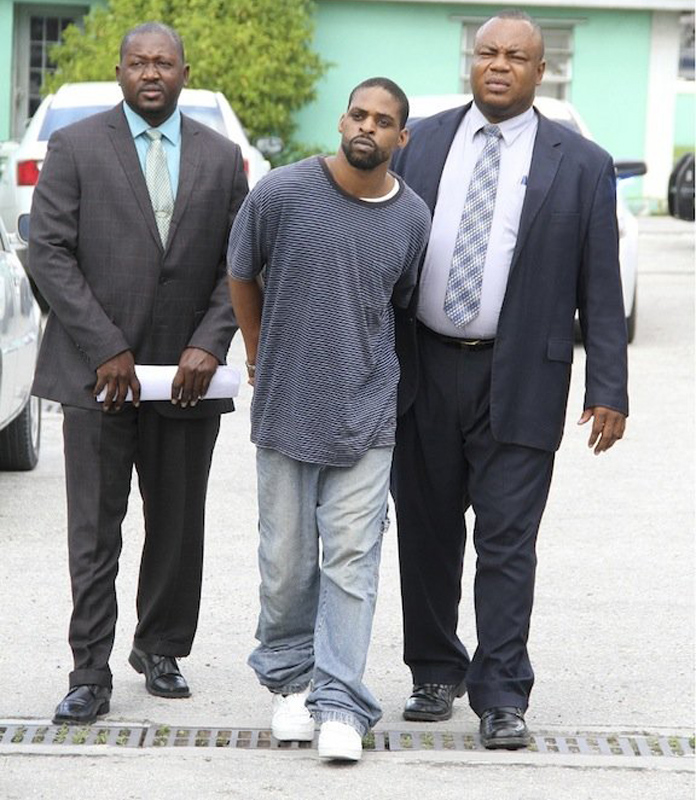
{"x": 463, "y": 294}
{"x": 158, "y": 184}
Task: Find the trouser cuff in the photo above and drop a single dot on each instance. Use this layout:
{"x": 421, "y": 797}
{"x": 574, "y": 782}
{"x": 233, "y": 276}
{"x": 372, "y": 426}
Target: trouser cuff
{"x": 160, "y": 647}
{"x": 331, "y": 715}
{"x": 91, "y": 677}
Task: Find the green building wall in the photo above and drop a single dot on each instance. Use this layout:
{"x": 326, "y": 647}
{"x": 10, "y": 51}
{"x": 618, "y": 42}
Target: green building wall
{"x": 418, "y": 46}
{"x": 363, "y": 40}
{"x": 6, "y": 31}
{"x": 610, "y": 80}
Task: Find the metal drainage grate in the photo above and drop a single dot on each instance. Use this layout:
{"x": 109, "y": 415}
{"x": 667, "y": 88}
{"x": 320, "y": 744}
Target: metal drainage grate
{"x": 394, "y": 741}
{"x": 119, "y": 736}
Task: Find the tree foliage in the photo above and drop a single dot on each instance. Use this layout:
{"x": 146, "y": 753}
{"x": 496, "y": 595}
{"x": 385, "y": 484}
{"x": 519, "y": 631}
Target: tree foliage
{"x": 257, "y": 52}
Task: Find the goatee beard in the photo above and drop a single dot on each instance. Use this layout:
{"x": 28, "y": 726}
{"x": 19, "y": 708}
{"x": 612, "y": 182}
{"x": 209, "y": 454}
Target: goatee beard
{"x": 366, "y": 161}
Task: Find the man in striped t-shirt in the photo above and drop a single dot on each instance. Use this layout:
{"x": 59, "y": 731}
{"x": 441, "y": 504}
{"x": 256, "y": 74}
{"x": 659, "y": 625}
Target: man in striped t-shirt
{"x": 339, "y": 240}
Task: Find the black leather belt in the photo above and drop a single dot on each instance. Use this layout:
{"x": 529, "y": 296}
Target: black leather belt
{"x": 464, "y": 344}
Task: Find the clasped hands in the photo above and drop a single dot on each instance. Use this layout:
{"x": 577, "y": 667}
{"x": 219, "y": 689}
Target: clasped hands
{"x": 190, "y": 384}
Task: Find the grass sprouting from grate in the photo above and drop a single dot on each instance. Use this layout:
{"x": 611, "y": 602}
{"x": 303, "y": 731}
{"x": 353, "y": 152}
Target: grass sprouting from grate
{"x": 18, "y": 737}
{"x": 161, "y": 738}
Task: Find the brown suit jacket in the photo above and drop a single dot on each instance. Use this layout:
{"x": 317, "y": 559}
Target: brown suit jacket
{"x": 96, "y": 256}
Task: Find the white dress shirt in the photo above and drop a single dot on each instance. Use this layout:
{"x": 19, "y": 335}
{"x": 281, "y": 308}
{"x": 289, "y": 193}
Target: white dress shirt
{"x": 516, "y": 145}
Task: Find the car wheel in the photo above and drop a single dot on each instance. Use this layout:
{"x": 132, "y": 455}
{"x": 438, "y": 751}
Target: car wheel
{"x": 631, "y": 318}
{"x": 20, "y": 440}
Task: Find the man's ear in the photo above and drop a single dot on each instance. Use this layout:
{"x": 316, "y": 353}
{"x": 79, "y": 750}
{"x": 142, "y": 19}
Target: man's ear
{"x": 403, "y": 139}
{"x": 341, "y": 120}
{"x": 541, "y": 68}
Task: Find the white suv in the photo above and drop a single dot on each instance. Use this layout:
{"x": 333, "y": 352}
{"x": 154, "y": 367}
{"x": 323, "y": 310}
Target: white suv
{"x": 75, "y": 101}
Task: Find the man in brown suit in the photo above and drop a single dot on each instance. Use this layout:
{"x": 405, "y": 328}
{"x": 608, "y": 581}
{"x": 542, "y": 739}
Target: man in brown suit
{"x": 131, "y": 285}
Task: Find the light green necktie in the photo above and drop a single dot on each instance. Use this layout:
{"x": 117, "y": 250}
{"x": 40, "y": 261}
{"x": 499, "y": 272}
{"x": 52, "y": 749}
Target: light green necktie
{"x": 158, "y": 184}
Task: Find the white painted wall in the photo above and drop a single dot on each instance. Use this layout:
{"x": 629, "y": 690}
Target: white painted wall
{"x": 662, "y": 82}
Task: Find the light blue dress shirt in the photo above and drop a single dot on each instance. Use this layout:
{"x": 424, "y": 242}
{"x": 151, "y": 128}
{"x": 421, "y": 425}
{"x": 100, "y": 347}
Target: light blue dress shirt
{"x": 171, "y": 141}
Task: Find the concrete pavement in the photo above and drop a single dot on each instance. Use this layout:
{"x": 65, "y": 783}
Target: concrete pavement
{"x": 612, "y": 639}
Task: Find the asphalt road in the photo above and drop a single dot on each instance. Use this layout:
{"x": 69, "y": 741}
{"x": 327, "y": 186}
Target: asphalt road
{"x": 612, "y": 637}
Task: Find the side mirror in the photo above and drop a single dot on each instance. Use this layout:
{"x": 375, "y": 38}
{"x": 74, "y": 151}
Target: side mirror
{"x": 630, "y": 169}
{"x": 270, "y": 145}
{"x": 23, "y": 227}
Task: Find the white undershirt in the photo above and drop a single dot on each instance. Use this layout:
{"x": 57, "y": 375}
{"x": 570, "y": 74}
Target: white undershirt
{"x": 516, "y": 145}
{"x": 387, "y": 196}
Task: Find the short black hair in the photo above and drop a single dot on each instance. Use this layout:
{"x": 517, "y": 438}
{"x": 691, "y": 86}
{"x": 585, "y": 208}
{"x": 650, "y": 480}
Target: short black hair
{"x": 153, "y": 27}
{"x": 389, "y": 86}
{"x": 519, "y": 14}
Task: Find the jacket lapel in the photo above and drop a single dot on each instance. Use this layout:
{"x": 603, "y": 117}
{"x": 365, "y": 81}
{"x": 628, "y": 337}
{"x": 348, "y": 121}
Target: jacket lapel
{"x": 188, "y": 170}
{"x": 546, "y": 158}
{"x": 127, "y": 155}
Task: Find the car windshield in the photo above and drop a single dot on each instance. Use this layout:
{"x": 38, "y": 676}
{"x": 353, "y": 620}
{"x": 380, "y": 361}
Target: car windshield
{"x": 60, "y": 117}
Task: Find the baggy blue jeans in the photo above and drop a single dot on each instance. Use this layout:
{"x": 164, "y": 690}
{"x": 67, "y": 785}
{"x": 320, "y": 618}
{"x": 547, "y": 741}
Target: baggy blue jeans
{"x": 320, "y": 539}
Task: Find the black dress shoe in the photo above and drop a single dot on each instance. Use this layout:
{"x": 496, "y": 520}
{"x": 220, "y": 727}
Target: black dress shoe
{"x": 162, "y": 675}
{"x": 504, "y": 728}
{"x": 82, "y": 705}
{"x": 432, "y": 702}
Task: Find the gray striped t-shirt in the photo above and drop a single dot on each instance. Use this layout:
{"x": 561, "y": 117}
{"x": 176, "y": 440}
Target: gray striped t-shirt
{"x": 326, "y": 368}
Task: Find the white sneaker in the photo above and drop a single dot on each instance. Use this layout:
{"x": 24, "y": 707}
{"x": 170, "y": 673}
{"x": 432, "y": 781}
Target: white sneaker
{"x": 339, "y": 741}
{"x": 291, "y": 720}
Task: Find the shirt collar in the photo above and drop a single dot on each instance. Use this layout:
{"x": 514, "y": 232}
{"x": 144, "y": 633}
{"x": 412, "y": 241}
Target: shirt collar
{"x": 509, "y": 128}
{"x": 170, "y": 128}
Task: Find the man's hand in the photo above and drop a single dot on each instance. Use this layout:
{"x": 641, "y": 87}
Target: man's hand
{"x": 117, "y": 376}
{"x": 192, "y": 379}
{"x": 607, "y": 427}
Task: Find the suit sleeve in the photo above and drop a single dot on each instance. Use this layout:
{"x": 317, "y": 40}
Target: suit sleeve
{"x": 53, "y": 258}
{"x": 215, "y": 331}
{"x": 600, "y": 302}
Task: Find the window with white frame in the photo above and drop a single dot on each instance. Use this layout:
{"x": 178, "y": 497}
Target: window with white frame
{"x": 558, "y": 40}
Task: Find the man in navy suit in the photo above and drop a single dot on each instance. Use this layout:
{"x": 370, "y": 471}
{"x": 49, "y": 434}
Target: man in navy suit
{"x": 483, "y": 402}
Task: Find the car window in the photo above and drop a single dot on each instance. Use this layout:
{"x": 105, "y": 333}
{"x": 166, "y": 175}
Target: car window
{"x": 208, "y": 115}
{"x": 57, "y": 118}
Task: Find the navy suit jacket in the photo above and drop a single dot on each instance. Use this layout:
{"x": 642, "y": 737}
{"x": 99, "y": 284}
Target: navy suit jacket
{"x": 566, "y": 258}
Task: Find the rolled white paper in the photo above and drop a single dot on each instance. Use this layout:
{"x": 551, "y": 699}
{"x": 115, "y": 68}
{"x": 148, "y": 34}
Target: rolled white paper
{"x": 156, "y": 383}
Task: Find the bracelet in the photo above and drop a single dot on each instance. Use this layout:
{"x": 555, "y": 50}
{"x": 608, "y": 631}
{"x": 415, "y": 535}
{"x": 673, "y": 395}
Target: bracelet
{"x": 251, "y": 369}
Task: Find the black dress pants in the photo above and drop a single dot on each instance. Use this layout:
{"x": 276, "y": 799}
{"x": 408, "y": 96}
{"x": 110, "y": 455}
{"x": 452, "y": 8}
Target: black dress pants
{"x": 445, "y": 461}
{"x": 172, "y": 458}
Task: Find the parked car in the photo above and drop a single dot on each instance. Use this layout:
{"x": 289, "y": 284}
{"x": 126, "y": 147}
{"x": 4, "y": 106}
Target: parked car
{"x": 20, "y": 334}
{"x": 680, "y": 189}
{"x": 75, "y": 101}
{"x": 565, "y": 113}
